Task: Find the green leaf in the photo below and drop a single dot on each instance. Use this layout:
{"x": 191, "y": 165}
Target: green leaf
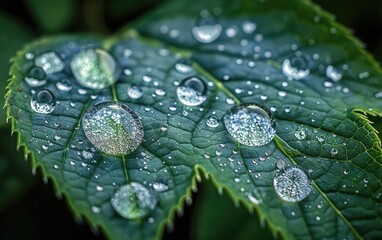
{"x": 238, "y": 222}
{"x": 341, "y": 151}
{"x": 52, "y": 16}
{"x": 15, "y": 175}
{"x": 12, "y": 38}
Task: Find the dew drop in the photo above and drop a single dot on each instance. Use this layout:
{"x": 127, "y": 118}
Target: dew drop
{"x": 50, "y": 62}
{"x": 113, "y": 128}
{"x": 134, "y": 92}
{"x": 160, "y": 187}
{"x": 300, "y": 133}
{"x": 250, "y": 124}
{"x": 184, "y": 65}
{"x": 64, "y": 85}
{"x": 212, "y": 121}
{"x": 248, "y": 27}
{"x": 160, "y": 92}
{"x": 333, "y": 74}
{"x": 133, "y": 201}
{"x": 192, "y": 91}
{"x": 94, "y": 68}
{"x": 43, "y": 102}
{"x": 35, "y": 77}
{"x": 295, "y": 68}
{"x": 207, "y": 30}
{"x": 292, "y": 184}
{"x": 334, "y": 151}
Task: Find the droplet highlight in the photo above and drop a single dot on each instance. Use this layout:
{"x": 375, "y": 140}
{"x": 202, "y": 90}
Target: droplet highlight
{"x": 295, "y": 68}
{"x": 207, "y": 30}
{"x": 50, "y": 62}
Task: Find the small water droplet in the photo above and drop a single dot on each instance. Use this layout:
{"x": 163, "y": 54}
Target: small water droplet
{"x": 113, "y": 128}
{"x": 295, "y": 68}
{"x": 160, "y": 187}
{"x": 250, "y": 124}
{"x": 333, "y": 73}
{"x": 292, "y": 184}
{"x": 184, "y": 65}
{"x": 43, "y": 102}
{"x": 134, "y": 92}
{"x": 248, "y": 27}
{"x": 64, "y": 85}
{"x": 192, "y": 91}
{"x": 87, "y": 154}
{"x": 133, "y": 201}
{"x": 160, "y": 92}
{"x": 99, "y": 188}
{"x": 94, "y": 68}
{"x": 206, "y": 30}
{"x": 280, "y": 164}
{"x": 96, "y": 209}
{"x": 212, "y": 121}
{"x": 300, "y": 133}
{"x": 334, "y": 151}
{"x": 50, "y": 62}
{"x": 35, "y": 77}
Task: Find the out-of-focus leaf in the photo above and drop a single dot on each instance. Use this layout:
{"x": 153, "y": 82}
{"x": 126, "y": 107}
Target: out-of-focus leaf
{"x": 52, "y": 16}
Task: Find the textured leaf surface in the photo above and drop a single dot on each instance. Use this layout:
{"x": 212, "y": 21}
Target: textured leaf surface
{"x": 245, "y": 67}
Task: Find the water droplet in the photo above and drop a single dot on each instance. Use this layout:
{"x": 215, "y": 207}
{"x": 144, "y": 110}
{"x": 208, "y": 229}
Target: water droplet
{"x": 250, "y": 124}
{"x": 50, "y": 62}
{"x": 94, "y": 68}
{"x": 292, "y": 184}
{"x": 64, "y": 85}
{"x": 134, "y": 92}
{"x": 160, "y": 187}
{"x": 300, "y": 133}
{"x": 248, "y": 27}
{"x": 207, "y": 30}
{"x": 43, "y": 102}
{"x": 96, "y": 210}
{"x": 160, "y": 92}
{"x": 333, "y": 74}
{"x": 113, "y": 128}
{"x": 133, "y": 201}
{"x": 87, "y": 154}
{"x": 35, "y": 77}
{"x": 212, "y": 121}
{"x": 295, "y": 68}
{"x": 334, "y": 151}
{"x": 192, "y": 91}
{"x": 184, "y": 65}
{"x": 280, "y": 164}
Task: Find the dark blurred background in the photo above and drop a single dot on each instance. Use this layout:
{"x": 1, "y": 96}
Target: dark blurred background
{"x": 36, "y": 213}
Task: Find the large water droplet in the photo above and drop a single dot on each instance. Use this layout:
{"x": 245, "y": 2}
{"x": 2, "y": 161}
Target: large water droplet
{"x": 94, "y": 68}
{"x": 207, "y": 30}
{"x": 64, "y": 85}
{"x": 292, "y": 184}
{"x": 295, "y": 68}
{"x": 50, "y": 62}
{"x": 43, "y": 102}
{"x": 35, "y": 77}
{"x": 250, "y": 124}
{"x": 113, "y": 128}
{"x": 133, "y": 201}
{"x": 192, "y": 91}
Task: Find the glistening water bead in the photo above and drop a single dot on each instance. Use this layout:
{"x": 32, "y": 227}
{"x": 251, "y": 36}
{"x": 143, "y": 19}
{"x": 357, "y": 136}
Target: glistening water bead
{"x": 134, "y": 201}
{"x": 94, "y": 68}
{"x": 250, "y": 124}
{"x": 113, "y": 128}
{"x": 207, "y": 30}
{"x": 292, "y": 184}
{"x": 192, "y": 91}
{"x": 295, "y": 68}
{"x": 43, "y": 102}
